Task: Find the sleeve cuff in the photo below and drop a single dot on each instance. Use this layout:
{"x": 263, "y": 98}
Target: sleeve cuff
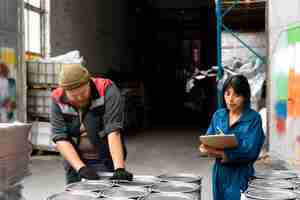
{"x": 57, "y": 138}
{"x": 110, "y": 128}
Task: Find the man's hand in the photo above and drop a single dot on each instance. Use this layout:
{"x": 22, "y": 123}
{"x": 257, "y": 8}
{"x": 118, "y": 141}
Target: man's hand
{"x": 88, "y": 173}
{"x": 122, "y": 174}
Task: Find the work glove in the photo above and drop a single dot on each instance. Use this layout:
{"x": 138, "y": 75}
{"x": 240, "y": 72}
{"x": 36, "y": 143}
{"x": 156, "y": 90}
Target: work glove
{"x": 122, "y": 174}
{"x": 88, "y": 173}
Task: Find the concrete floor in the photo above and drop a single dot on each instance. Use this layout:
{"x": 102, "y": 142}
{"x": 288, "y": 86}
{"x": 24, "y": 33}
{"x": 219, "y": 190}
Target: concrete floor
{"x": 152, "y": 152}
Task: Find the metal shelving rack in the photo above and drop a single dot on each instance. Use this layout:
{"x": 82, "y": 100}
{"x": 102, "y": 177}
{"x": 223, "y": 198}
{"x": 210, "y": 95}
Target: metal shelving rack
{"x": 220, "y": 25}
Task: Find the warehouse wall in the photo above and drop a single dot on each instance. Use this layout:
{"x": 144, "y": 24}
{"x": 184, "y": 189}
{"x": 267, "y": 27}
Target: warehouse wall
{"x": 231, "y": 47}
{"x": 96, "y": 27}
{"x": 284, "y": 116}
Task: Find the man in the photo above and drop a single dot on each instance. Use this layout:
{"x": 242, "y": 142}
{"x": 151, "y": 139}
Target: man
{"x": 86, "y": 119}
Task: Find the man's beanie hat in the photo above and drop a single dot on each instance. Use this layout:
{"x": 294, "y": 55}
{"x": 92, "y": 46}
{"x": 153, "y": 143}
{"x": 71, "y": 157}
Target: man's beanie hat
{"x": 73, "y": 76}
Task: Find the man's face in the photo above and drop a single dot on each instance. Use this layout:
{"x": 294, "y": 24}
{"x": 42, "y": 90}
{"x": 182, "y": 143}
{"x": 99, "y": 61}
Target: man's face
{"x": 79, "y": 97}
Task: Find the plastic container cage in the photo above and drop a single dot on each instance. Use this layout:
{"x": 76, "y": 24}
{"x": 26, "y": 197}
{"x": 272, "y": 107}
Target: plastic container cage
{"x": 39, "y": 102}
{"x": 43, "y": 73}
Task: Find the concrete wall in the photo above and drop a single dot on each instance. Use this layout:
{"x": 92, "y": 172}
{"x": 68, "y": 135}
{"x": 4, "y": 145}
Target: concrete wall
{"x": 231, "y": 47}
{"x": 98, "y": 28}
{"x": 283, "y": 82}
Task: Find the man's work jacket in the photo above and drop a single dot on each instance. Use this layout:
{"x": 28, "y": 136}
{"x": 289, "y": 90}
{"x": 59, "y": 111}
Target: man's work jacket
{"x": 103, "y": 116}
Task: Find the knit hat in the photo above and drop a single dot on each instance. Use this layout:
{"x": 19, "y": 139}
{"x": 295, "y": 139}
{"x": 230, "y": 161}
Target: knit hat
{"x": 73, "y": 76}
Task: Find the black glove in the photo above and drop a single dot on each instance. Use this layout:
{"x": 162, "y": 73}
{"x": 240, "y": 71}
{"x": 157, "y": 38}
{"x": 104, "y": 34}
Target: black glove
{"x": 88, "y": 173}
{"x": 122, "y": 174}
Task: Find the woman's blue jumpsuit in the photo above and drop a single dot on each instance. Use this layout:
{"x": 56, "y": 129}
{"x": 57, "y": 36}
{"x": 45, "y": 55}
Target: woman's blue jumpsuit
{"x": 232, "y": 176}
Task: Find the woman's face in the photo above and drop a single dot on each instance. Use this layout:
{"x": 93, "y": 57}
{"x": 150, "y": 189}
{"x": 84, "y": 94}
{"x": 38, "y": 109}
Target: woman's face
{"x": 234, "y": 101}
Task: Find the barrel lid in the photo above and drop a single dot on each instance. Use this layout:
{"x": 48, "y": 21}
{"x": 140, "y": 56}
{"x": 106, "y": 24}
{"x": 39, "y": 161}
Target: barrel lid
{"x": 139, "y": 181}
{"x": 270, "y": 194}
{"x": 88, "y": 186}
{"x": 124, "y": 192}
{"x": 73, "y": 196}
{"x": 175, "y": 187}
{"x": 277, "y": 183}
{"x": 170, "y": 196}
{"x": 275, "y": 174}
{"x": 182, "y": 177}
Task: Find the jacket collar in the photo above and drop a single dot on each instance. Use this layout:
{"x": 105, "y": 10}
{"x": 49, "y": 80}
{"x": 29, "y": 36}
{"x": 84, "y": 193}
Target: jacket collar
{"x": 247, "y": 114}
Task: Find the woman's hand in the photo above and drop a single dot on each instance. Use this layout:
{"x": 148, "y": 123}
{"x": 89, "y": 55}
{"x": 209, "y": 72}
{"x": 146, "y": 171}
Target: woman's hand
{"x": 212, "y": 152}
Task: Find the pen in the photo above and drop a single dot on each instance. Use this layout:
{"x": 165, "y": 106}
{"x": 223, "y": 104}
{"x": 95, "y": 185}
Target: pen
{"x": 220, "y": 131}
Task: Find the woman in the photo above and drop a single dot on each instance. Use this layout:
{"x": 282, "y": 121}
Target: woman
{"x": 233, "y": 167}
{"x": 7, "y": 95}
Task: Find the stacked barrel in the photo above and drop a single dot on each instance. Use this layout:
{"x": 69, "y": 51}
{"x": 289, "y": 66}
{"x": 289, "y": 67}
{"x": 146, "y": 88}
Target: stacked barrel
{"x": 143, "y": 187}
{"x": 273, "y": 184}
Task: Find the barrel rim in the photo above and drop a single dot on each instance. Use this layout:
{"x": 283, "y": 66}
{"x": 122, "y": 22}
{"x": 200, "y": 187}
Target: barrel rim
{"x": 89, "y": 182}
{"x": 194, "y": 187}
{"x": 172, "y": 194}
{"x": 165, "y": 176}
{"x": 289, "y": 195}
{"x": 92, "y": 195}
{"x": 141, "y": 191}
{"x": 274, "y": 183}
{"x": 148, "y": 180}
{"x": 275, "y": 174}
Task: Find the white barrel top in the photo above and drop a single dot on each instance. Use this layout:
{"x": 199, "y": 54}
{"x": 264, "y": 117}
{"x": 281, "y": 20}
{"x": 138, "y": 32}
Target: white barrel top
{"x": 182, "y": 177}
{"x": 73, "y": 196}
{"x": 175, "y": 187}
{"x": 277, "y": 183}
{"x": 270, "y": 194}
{"x": 275, "y": 174}
{"x": 125, "y": 192}
{"x": 88, "y": 186}
{"x": 170, "y": 196}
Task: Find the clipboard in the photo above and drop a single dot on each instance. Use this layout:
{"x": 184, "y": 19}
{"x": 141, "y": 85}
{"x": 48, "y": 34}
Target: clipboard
{"x": 219, "y": 141}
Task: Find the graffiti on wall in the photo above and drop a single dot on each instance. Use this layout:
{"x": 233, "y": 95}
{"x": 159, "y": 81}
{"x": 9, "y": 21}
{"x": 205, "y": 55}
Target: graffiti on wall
{"x": 7, "y": 84}
{"x": 287, "y": 78}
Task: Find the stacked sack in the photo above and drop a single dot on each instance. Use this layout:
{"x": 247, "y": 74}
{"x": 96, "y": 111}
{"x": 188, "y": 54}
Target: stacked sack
{"x": 14, "y": 159}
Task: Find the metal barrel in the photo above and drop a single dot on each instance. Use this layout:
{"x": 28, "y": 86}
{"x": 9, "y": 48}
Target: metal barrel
{"x": 88, "y": 186}
{"x": 178, "y": 187}
{"x": 275, "y": 174}
{"x": 296, "y": 182}
{"x": 170, "y": 196}
{"x": 270, "y": 194}
{"x": 67, "y": 195}
{"x": 118, "y": 192}
{"x": 183, "y": 177}
{"x": 272, "y": 184}
{"x": 144, "y": 181}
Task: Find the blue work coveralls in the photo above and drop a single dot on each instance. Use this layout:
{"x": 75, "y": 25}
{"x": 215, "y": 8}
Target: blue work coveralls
{"x": 231, "y": 177}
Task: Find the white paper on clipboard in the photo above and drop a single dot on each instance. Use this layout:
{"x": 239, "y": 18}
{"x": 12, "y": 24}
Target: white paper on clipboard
{"x": 219, "y": 141}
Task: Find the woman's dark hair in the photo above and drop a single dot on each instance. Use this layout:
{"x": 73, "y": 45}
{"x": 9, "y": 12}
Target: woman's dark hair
{"x": 240, "y": 85}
